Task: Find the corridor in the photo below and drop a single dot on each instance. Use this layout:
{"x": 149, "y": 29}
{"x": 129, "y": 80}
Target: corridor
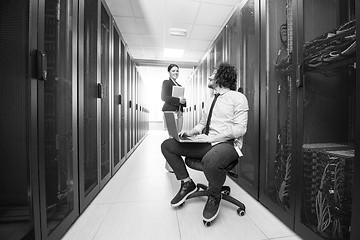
{"x": 135, "y": 204}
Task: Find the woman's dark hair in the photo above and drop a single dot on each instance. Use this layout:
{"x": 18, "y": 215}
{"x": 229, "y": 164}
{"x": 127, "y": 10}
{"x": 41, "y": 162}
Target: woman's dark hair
{"x": 171, "y": 66}
{"x": 226, "y": 76}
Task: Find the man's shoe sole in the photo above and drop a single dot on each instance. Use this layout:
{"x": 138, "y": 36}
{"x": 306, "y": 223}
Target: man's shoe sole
{"x": 184, "y": 198}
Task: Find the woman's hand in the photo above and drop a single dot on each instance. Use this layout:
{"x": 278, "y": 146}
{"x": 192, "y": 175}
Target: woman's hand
{"x": 182, "y": 100}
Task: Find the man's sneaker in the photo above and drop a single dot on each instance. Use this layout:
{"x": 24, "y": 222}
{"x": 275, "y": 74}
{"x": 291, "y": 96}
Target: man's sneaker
{"x": 211, "y": 208}
{"x": 186, "y": 189}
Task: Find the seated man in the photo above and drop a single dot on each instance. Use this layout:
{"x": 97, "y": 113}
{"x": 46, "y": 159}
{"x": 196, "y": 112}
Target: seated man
{"x": 220, "y": 131}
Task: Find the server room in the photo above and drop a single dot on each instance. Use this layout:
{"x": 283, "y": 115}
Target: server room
{"x": 179, "y": 120}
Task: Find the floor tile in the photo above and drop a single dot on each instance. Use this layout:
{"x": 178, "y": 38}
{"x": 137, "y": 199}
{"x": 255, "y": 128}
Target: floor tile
{"x": 87, "y": 225}
{"x": 140, "y": 220}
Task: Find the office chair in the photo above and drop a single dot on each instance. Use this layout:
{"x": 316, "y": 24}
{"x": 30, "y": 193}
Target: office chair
{"x": 196, "y": 164}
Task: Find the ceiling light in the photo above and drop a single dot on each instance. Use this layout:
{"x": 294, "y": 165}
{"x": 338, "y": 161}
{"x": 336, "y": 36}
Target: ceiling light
{"x": 178, "y": 32}
{"x": 173, "y": 52}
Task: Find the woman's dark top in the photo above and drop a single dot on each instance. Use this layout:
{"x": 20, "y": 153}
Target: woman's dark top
{"x": 170, "y": 103}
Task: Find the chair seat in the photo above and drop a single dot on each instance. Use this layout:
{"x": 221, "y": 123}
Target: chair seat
{"x": 195, "y": 163}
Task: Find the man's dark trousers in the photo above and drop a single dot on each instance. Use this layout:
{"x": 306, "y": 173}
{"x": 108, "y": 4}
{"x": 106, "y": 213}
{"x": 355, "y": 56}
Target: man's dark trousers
{"x": 214, "y": 159}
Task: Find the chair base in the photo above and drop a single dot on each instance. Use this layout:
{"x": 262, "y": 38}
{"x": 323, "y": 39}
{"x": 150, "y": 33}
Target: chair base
{"x": 202, "y": 191}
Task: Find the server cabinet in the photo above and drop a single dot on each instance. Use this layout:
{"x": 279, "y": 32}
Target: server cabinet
{"x": 242, "y": 51}
{"x": 57, "y": 116}
{"x": 278, "y": 110}
{"x": 135, "y": 88}
{"x": 202, "y": 88}
{"x": 104, "y": 95}
{"x": 188, "y": 95}
{"x": 204, "y": 84}
{"x": 117, "y": 159}
{"x": 355, "y": 218}
{"x": 128, "y": 103}
{"x": 123, "y": 86}
{"x": 219, "y": 48}
{"x": 19, "y": 198}
{"x": 133, "y": 103}
{"x": 196, "y": 90}
{"x": 327, "y": 106}
{"x": 89, "y": 171}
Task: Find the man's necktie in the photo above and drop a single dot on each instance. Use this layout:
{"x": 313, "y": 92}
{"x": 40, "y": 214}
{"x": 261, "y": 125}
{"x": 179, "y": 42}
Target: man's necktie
{"x": 206, "y": 131}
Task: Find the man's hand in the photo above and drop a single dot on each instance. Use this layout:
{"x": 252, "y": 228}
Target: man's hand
{"x": 203, "y": 138}
{"x": 186, "y": 133}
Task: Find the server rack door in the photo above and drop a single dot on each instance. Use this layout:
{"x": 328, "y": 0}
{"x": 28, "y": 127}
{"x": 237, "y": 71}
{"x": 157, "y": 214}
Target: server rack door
{"x": 193, "y": 99}
{"x": 355, "y": 218}
{"x": 128, "y": 100}
{"x": 278, "y": 110}
{"x": 204, "y": 84}
{"x": 219, "y": 48}
{"x": 133, "y": 103}
{"x": 135, "y": 140}
{"x": 116, "y": 100}
{"x": 327, "y": 110}
{"x": 202, "y": 90}
{"x": 123, "y": 102}
{"x": 57, "y": 109}
{"x": 89, "y": 174}
{"x": 232, "y": 48}
{"x": 207, "y": 75}
{"x": 19, "y": 202}
{"x": 247, "y": 45}
{"x": 137, "y": 106}
{"x": 104, "y": 94}
{"x": 140, "y": 102}
{"x": 195, "y": 88}
{"x": 199, "y": 94}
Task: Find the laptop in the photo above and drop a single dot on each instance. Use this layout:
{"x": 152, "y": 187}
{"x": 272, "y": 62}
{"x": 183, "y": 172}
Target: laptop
{"x": 172, "y": 129}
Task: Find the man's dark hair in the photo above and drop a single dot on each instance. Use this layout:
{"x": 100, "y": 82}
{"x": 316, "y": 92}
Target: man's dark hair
{"x": 226, "y": 76}
{"x": 171, "y": 66}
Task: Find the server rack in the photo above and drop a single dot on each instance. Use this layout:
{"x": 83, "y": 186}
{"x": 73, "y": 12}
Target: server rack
{"x": 63, "y": 66}
{"x": 327, "y": 108}
{"x": 116, "y": 163}
{"x": 242, "y": 34}
{"x": 278, "y": 111}
{"x": 19, "y": 180}
{"x": 89, "y": 173}
{"x": 57, "y": 116}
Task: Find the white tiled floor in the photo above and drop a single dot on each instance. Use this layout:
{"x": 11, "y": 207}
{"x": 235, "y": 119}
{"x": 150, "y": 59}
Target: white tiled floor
{"x": 135, "y": 204}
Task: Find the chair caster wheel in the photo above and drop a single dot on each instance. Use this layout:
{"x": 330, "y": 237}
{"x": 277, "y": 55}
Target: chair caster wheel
{"x": 206, "y": 223}
{"x": 240, "y": 211}
{"x": 226, "y": 192}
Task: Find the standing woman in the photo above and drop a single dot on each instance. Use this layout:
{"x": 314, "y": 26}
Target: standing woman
{"x": 172, "y": 103}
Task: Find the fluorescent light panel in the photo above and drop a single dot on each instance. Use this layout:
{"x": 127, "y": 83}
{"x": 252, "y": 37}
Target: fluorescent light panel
{"x": 178, "y": 32}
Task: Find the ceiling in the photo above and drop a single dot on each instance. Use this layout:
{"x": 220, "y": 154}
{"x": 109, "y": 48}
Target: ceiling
{"x": 145, "y": 26}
